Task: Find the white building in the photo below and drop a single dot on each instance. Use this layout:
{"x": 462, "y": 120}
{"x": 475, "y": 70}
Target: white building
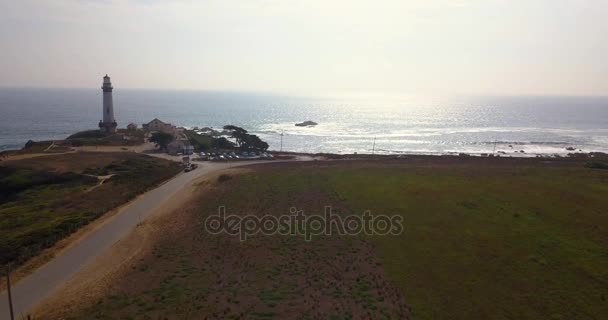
{"x": 108, "y": 124}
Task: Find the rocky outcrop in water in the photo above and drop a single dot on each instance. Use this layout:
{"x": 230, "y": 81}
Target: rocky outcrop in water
{"x": 306, "y": 124}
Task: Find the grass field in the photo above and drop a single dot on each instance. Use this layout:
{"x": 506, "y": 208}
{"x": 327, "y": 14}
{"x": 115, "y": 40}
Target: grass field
{"x": 484, "y": 239}
{"x": 44, "y": 199}
{"x": 99, "y": 138}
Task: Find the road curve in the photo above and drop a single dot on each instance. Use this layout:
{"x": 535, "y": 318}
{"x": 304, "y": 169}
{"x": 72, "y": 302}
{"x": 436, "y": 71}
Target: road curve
{"x": 33, "y": 289}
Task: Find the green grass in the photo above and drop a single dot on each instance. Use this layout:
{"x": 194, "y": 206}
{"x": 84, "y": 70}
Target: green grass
{"x": 597, "y": 164}
{"x": 483, "y": 239}
{"x": 100, "y": 138}
{"x": 89, "y": 134}
{"x": 488, "y": 243}
{"x": 500, "y": 242}
{"x": 40, "y": 207}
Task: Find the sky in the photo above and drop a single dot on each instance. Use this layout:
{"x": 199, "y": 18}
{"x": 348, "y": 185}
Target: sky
{"x": 545, "y": 47}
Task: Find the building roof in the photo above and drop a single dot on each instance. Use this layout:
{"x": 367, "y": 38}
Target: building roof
{"x": 157, "y": 120}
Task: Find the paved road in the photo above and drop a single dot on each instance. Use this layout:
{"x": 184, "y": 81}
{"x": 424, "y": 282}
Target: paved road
{"x": 30, "y": 291}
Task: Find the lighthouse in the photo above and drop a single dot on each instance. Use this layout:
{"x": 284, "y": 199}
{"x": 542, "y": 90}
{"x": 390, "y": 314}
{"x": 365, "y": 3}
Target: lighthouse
{"x": 108, "y": 124}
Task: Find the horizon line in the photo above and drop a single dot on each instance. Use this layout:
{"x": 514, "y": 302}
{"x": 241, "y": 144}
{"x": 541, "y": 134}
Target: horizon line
{"x": 293, "y": 93}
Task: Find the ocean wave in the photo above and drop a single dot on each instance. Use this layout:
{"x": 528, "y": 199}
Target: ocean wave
{"x": 498, "y": 142}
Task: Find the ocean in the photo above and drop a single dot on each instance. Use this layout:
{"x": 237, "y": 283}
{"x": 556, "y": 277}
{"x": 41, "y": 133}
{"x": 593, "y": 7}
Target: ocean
{"x": 346, "y": 123}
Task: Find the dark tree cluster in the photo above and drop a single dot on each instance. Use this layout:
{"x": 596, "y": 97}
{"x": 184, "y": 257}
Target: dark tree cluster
{"x": 244, "y": 140}
{"x": 161, "y": 139}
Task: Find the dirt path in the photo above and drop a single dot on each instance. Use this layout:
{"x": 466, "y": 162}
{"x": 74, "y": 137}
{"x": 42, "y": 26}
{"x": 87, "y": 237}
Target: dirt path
{"x": 50, "y": 146}
{"x": 33, "y": 155}
{"x": 136, "y": 148}
{"x": 101, "y": 179}
{"x": 30, "y": 291}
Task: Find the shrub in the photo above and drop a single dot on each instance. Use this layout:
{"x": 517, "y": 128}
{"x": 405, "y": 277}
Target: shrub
{"x": 223, "y": 177}
{"x": 597, "y": 165}
{"x": 89, "y": 134}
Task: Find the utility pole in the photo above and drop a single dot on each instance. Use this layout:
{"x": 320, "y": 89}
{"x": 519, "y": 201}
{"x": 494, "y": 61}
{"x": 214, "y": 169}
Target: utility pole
{"x": 374, "y": 147}
{"x": 8, "y": 288}
{"x": 282, "y": 131}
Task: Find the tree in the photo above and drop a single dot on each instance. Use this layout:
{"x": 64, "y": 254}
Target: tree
{"x": 161, "y": 139}
{"x": 245, "y": 140}
{"x": 251, "y": 141}
{"x": 200, "y": 142}
{"x": 238, "y": 133}
{"x": 222, "y": 143}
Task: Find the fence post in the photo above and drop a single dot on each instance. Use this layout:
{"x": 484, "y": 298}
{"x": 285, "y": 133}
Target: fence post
{"x": 8, "y": 289}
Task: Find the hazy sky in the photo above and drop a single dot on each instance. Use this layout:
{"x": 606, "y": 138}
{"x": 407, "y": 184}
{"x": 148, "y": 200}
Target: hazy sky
{"x": 310, "y": 46}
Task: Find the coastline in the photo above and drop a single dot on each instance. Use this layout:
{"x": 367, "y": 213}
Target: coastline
{"x": 577, "y": 153}
{"x": 538, "y": 125}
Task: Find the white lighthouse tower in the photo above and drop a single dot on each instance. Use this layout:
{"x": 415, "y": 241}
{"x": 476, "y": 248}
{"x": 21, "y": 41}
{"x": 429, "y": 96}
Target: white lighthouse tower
{"x": 108, "y": 124}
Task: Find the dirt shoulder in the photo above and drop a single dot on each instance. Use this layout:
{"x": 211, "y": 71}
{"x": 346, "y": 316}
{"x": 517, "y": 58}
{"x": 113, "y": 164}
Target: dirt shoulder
{"x": 74, "y": 207}
{"x": 95, "y": 279}
{"x": 171, "y": 268}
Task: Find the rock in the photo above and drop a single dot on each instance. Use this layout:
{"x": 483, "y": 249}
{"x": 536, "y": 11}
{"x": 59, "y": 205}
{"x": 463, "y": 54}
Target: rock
{"x": 306, "y": 124}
